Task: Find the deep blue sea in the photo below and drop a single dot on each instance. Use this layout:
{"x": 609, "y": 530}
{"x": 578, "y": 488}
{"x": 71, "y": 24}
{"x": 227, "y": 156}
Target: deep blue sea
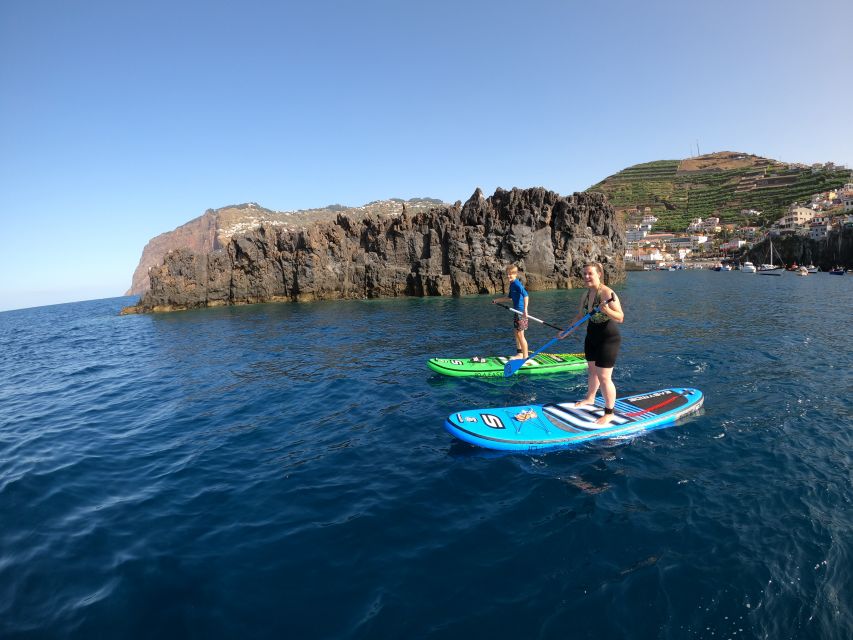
{"x": 281, "y": 471}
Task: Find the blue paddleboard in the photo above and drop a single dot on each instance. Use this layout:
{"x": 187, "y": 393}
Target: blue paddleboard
{"x": 561, "y": 425}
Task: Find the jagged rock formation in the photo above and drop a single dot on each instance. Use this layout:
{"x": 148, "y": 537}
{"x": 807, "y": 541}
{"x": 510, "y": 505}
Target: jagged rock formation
{"x": 450, "y": 250}
{"x": 213, "y": 230}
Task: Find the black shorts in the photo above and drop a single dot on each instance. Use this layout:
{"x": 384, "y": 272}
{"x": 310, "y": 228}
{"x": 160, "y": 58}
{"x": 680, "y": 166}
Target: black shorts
{"x": 602, "y": 344}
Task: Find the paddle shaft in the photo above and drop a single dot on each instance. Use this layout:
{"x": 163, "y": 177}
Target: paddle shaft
{"x": 521, "y": 313}
{"x": 514, "y": 365}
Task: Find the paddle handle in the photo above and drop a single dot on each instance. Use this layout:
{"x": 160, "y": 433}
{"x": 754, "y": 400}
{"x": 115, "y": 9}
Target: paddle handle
{"x": 521, "y": 313}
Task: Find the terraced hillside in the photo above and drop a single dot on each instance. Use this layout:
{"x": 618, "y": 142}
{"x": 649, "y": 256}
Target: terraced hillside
{"x": 718, "y": 184}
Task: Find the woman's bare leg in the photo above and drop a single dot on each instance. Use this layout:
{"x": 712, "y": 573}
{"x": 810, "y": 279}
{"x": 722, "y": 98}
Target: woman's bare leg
{"x": 608, "y": 392}
{"x": 592, "y": 386}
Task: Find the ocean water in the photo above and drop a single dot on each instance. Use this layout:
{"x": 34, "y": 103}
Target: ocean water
{"x": 281, "y": 471}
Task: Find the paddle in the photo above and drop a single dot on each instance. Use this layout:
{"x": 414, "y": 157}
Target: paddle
{"x": 514, "y": 365}
{"x": 548, "y": 324}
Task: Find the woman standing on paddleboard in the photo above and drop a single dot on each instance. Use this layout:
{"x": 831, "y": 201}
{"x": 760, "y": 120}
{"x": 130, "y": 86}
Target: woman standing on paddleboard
{"x": 602, "y": 338}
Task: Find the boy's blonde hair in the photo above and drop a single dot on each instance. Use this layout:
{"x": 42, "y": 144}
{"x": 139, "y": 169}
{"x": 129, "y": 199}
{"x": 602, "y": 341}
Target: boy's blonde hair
{"x": 512, "y": 269}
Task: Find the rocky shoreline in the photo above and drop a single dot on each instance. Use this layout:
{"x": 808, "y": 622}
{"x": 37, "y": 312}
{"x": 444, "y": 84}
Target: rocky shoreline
{"x": 449, "y": 250}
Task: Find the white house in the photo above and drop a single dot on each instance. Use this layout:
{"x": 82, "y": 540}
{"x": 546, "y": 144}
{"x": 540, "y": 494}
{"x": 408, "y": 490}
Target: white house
{"x": 818, "y": 230}
{"x": 796, "y": 217}
{"x": 732, "y": 245}
{"x": 636, "y": 234}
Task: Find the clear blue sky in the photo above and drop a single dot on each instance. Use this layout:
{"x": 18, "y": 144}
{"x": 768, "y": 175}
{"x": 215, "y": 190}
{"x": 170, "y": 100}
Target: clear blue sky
{"x": 122, "y": 120}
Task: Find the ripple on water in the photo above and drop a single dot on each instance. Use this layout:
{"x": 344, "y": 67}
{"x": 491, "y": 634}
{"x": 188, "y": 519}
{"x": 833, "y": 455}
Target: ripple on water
{"x": 185, "y": 473}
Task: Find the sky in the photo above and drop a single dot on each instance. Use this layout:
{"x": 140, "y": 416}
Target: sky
{"x": 123, "y": 120}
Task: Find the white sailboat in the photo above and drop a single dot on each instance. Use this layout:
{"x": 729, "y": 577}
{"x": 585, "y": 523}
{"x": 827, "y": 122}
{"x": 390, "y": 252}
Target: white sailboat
{"x": 770, "y": 269}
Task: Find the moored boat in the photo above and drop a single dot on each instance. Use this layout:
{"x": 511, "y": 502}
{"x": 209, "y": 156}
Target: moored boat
{"x": 770, "y": 269}
{"x": 748, "y": 267}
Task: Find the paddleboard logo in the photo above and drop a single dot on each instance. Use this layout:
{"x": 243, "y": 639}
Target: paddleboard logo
{"x": 460, "y": 418}
{"x": 492, "y": 421}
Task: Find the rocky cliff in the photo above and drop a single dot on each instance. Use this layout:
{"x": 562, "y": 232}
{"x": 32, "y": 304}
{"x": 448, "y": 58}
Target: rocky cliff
{"x": 199, "y": 235}
{"x": 449, "y": 250}
{"x": 213, "y": 230}
{"x": 834, "y": 250}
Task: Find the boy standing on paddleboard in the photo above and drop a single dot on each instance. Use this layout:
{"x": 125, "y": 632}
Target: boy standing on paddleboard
{"x": 519, "y": 298}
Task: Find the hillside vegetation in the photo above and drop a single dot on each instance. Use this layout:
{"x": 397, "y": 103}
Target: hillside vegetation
{"x": 719, "y": 184}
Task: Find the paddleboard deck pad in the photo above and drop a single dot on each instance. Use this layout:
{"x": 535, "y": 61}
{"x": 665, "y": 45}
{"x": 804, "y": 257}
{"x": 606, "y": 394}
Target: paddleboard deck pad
{"x": 494, "y": 365}
{"x": 562, "y": 425}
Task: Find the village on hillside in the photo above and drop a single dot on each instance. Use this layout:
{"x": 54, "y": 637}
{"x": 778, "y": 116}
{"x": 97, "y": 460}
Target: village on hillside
{"x": 706, "y": 241}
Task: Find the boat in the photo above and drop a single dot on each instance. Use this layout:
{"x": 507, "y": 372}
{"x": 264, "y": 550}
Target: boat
{"x": 838, "y": 271}
{"x": 726, "y": 267}
{"x": 748, "y": 267}
{"x": 802, "y": 271}
{"x": 770, "y": 269}
{"x": 812, "y": 269}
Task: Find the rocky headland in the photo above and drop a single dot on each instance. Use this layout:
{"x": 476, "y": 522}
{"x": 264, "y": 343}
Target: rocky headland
{"x": 214, "y": 228}
{"x": 835, "y": 249}
{"x": 441, "y": 250}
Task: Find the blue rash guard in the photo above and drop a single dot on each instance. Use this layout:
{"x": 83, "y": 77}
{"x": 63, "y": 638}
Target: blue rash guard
{"x": 518, "y": 293}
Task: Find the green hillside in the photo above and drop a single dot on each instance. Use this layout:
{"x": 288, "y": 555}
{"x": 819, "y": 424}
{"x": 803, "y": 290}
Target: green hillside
{"x": 719, "y": 184}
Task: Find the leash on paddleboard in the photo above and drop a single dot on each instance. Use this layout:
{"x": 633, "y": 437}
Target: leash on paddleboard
{"x": 514, "y": 365}
{"x": 547, "y": 324}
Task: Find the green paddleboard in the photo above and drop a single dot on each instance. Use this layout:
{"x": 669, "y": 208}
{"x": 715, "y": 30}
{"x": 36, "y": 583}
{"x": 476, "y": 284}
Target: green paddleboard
{"x": 494, "y": 365}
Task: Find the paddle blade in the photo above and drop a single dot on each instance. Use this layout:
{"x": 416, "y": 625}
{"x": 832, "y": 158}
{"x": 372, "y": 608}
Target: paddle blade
{"x": 512, "y": 366}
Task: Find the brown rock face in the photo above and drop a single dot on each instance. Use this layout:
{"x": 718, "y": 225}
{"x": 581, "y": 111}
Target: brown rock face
{"x": 214, "y": 229}
{"x": 456, "y": 250}
{"x": 198, "y": 235}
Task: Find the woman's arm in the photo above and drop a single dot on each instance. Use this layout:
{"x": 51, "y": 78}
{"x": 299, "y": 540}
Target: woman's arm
{"x": 612, "y": 309}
